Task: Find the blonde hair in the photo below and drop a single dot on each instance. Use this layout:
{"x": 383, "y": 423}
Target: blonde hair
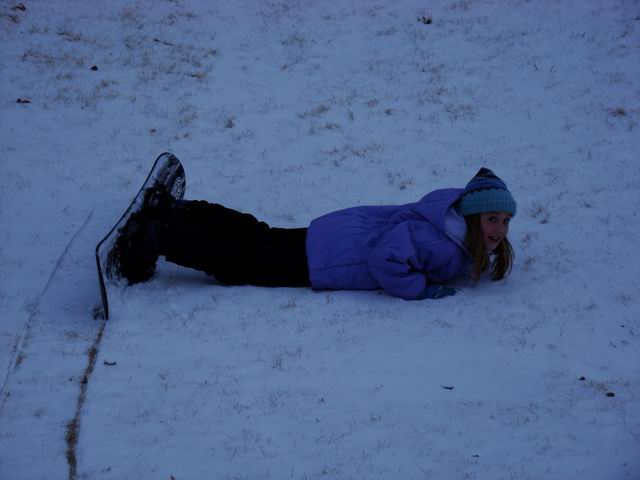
{"x": 481, "y": 262}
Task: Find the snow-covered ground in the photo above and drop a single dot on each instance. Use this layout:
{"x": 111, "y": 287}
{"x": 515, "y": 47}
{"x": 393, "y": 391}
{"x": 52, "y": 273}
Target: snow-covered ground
{"x": 288, "y": 110}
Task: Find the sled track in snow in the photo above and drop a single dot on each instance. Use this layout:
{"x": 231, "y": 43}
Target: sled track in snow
{"x": 73, "y": 427}
{"x": 22, "y": 340}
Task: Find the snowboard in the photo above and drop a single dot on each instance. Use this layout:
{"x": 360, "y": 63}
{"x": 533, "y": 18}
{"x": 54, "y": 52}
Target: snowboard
{"x": 166, "y": 170}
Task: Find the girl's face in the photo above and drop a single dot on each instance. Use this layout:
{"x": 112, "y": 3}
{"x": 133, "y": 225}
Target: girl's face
{"x": 495, "y": 226}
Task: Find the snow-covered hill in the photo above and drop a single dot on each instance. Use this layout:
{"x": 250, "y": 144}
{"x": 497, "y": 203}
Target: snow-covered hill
{"x": 288, "y": 110}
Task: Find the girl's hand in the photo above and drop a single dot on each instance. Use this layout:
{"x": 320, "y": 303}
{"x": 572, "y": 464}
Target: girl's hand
{"x": 437, "y": 291}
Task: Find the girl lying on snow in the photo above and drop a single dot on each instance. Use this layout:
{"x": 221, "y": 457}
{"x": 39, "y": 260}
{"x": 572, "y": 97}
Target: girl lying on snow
{"x": 410, "y": 251}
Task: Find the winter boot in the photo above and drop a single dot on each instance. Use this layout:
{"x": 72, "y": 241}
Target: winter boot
{"x": 158, "y": 203}
{"x": 139, "y": 243}
{"x": 138, "y": 248}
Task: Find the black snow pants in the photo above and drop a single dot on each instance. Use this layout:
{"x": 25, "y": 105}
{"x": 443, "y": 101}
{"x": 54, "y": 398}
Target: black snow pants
{"x": 234, "y": 247}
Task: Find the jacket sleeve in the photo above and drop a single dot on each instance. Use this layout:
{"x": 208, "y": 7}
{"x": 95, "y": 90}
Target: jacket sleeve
{"x": 403, "y": 255}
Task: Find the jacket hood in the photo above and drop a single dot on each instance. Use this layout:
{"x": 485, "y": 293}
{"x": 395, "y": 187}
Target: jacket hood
{"x": 434, "y": 206}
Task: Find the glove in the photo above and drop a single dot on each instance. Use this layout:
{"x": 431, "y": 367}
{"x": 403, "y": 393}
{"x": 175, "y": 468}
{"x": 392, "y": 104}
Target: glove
{"x": 437, "y": 291}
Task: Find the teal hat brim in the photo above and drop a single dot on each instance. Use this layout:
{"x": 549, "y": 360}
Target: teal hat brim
{"x": 488, "y": 200}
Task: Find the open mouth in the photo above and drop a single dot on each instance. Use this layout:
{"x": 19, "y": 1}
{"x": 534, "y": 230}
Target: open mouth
{"x": 495, "y": 239}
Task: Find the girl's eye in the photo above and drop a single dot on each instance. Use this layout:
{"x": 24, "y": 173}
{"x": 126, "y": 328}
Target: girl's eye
{"x": 493, "y": 219}
{"x": 507, "y": 221}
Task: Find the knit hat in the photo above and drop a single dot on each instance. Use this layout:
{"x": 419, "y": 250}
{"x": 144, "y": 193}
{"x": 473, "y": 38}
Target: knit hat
{"x": 486, "y": 192}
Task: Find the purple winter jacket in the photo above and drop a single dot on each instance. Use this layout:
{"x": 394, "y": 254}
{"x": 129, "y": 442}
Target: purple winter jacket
{"x": 401, "y": 249}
